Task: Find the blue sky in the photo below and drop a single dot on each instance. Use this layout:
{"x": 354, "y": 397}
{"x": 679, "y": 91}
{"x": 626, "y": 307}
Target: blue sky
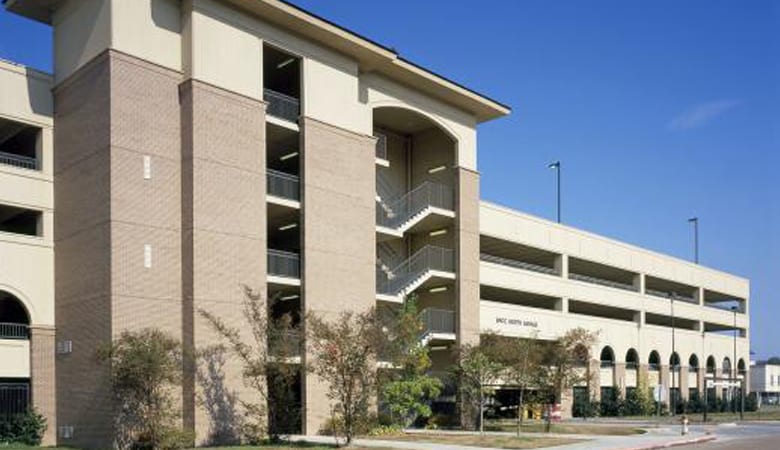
{"x": 659, "y": 111}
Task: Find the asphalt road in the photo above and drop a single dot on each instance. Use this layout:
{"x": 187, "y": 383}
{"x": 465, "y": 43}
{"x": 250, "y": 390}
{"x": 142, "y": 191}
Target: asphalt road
{"x": 744, "y": 436}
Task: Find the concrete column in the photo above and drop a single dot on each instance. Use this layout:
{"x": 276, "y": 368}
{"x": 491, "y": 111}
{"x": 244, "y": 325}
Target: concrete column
{"x": 595, "y": 381}
{"x": 562, "y": 305}
{"x": 562, "y": 265}
{"x": 42, "y": 345}
{"x": 639, "y": 283}
{"x": 467, "y": 256}
{"x": 620, "y": 378}
{"x": 639, "y": 318}
{"x": 683, "y": 384}
{"x": 699, "y": 295}
{"x": 665, "y": 381}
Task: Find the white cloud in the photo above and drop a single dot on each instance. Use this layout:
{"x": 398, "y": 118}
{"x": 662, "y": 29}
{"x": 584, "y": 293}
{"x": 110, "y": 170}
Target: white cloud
{"x": 701, "y": 114}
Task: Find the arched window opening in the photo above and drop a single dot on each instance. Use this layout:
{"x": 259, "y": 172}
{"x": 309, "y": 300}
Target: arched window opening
{"x": 632, "y": 359}
{"x": 674, "y": 362}
{"x": 693, "y": 363}
{"x": 607, "y": 357}
{"x": 711, "y": 364}
{"x": 654, "y": 362}
{"x": 14, "y": 320}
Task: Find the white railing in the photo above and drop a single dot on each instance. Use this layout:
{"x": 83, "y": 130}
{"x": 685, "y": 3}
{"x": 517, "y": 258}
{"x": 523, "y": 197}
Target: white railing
{"x": 396, "y": 213}
{"x": 284, "y": 264}
{"x": 24, "y": 162}
{"x": 437, "y": 321}
{"x": 283, "y": 185}
{"x": 517, "y": 264}
{"x": 281, "y": 105}
{"x": 428, "y": 258}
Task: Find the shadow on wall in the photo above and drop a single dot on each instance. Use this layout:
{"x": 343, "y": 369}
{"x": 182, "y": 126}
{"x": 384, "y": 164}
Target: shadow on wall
{"x": 219, "y": 402}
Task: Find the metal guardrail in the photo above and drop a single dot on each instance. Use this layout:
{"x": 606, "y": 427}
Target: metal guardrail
{"x": 24, "y": 162}
{"x": 517, "y": 264}
{"x": 284, "y": 264}
{"x": 381, "y": 145}
{"x": 18, "y": 331}
{"x": 283, "y": 185}
{"x": 281, "y": 105}
{"x": 426, "y": 259}
{"x": 662, "y": 294}
{"x": 14, "y": 398}
{"x": 602, "y": 282}
{"x": 437, "y": 320}
{"x": 394, "y": 214}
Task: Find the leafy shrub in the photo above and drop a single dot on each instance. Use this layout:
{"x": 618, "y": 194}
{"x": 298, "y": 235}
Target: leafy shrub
{"x": 25, "y": 428}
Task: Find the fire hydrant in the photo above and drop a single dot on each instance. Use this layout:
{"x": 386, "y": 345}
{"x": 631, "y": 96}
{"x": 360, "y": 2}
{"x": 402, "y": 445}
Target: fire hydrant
{"x": 684, "y": 422}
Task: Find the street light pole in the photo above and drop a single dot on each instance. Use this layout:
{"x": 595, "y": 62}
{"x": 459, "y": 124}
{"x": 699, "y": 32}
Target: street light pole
{"x": 557, "y": 166}
{"x": 695, "y": 222}
{"x": 734, "y": 362}
{"x": 671, "y": 392}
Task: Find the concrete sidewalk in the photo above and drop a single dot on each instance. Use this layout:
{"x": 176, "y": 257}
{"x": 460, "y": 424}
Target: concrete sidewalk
{"x": 653, "y": 439}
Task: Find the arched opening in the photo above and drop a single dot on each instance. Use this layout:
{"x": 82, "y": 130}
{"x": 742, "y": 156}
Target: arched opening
{"x": 654, "y": 361}
{"x": 693, "y": 363}
{"x": 14, "y": 319}
{"x": 607, "y": 357}
{"x": 741, "y": 367}
{"x": 415, "y": 152}
{"x": 674, "y": 362}
{"x": 693, "y": 377}
{"x": 632, "y": 359}
{"x": 14, "y": 375}
{"x": 711, "y": 365}
{"x": 726, "y": 366}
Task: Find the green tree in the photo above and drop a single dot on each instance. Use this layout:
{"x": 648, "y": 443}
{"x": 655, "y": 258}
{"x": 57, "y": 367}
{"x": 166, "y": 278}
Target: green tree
{"x": 344, "y": 353}
{"x": 264, "y": 348}
{"x": 520, "y": 359}
{"x": 409, "y": 391}
{"x": 775, "y": 360}
{"x": 639, "y": 401}
{"x": 145, "y": 367}
{"x": 562, "y": 366}
{"x": 477, "y": 372}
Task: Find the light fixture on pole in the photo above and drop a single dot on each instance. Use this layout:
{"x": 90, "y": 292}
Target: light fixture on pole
{"x": 695, "y": 222}
{"x": 557, "y": 166}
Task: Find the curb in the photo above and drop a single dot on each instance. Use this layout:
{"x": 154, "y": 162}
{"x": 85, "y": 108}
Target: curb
{"x": 699, "y": 440}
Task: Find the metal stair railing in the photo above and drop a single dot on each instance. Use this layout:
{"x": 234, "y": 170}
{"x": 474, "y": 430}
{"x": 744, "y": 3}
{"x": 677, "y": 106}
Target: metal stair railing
{"x": 284, "y": 264}
{"x": 428, "y": 194}
{"x": 281, "y": 105}
{"x": 424, "y": 260}
{"x": 283, "y": 185}
{"x": 437, "y": 321}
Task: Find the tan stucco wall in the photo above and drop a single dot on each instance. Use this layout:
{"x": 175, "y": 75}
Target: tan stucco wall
{"x": 338, "y": 236}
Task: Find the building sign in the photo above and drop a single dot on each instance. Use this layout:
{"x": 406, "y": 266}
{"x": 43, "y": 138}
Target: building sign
{"x": 517, "y": 322}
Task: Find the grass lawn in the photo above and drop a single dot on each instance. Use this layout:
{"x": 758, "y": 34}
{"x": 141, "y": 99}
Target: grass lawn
{"x": 508, "y": 442}
{"x": 292, "y": 445}
{"x": 765, "y": 414}
{"x": 565, "y": 428}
